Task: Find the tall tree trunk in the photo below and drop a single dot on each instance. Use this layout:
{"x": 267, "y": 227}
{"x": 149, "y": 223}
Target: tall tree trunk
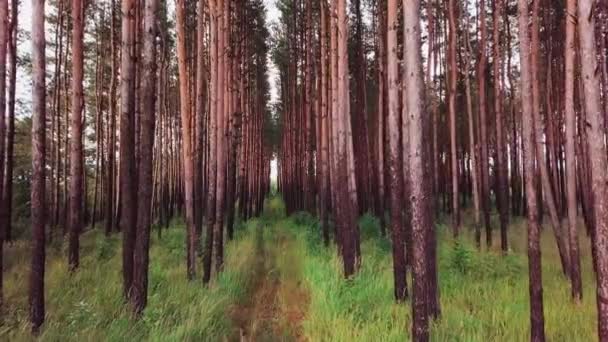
{"x": 212, "y": 167}
{"x": 539, "y": 134}
{"x": 597, "y": 153}
{"x": 222, "y": 108}
{"x": 76, "y": 120}
{"x": 502, "y": 195}
{"x": 570, "y": 58}
{"x": 395, "y": 171}
{"x": 4, "y": 40}
{"x": 473, "y": 141}
{"x": 201, "y": 105}
{"x": 128, "y": 197}
{"x": 422, "y": 222}
{"x": 111, "y": 162}
{"x": 452, "y": 81}
{"x": 483, "y": 124}
{"x": 6, "y": 209}
{"x": 186, "y": 118}
{"x": 537, "y": 320}
{"x": 38, "y": 195}
{"x": 142, "y": 244}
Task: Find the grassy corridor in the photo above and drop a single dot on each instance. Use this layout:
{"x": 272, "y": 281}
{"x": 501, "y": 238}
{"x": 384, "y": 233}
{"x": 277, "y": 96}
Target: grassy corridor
{"x": 281, "y": 284}
{"x": 484, "y": 295}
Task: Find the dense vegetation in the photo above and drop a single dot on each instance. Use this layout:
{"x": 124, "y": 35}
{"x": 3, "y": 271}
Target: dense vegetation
{"x": 484, "y": 294}
{"x": 452, "y": 153}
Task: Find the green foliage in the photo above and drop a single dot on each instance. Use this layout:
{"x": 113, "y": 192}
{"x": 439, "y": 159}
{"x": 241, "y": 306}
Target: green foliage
{"x": 484, "y": 294}
{"x": 89, "y": 306}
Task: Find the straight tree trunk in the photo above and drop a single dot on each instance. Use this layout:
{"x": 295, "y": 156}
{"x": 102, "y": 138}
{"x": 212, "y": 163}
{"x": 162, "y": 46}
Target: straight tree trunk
{"x": 111, "y": 161}
{"x": 187, "y": 153}
{"x": 201, "y": 105}
{"x": 473, "y": 141}
{"x": 539, "y": 133}
{"x": 212, "y": 167}
{"x": 395, "y": 171}
{"x": 420, "y": 193}
{"x": 38, "y": 194}
{"x": 6, "y": 208}
{"x": 222, "y": 108}
{"x": 483, "y": 124}
{"x": 595, "y": 127}
{"x": 570, "y": 58}
{"x": 4, "y": 39}
{"x": 502, "y": 199}
{"x": 148, "y": 116}
{"x": 128, "y": 197}
{"x": 76, "y": 120}
{"x": 452, "y": 80}
{"x": 537, "y": 321}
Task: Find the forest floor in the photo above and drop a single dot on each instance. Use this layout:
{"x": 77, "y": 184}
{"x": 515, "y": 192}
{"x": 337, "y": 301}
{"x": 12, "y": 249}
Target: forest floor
{"x": 276, "y": 303}
{"x": 280, "y": 283}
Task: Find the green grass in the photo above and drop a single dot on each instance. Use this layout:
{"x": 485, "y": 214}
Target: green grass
{"x": 88, "y": 306}
{"x": 484, "y": 295}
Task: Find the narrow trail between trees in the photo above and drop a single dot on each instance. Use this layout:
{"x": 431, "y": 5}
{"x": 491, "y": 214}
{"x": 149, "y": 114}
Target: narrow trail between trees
{"x": 276, "y": 304}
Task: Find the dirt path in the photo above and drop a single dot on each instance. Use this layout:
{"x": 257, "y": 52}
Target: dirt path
{"x": 277, "y": 302}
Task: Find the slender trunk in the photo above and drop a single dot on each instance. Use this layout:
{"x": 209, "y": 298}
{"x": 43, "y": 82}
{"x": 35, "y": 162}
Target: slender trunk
{"x": 570, "y": 57}
{"x": 539, "y": 134}
{"x": 502, "y": 195}
{"x": 147, "y": 120}
{"x": 422, "y": 221}
{"x": 128, "y": 197}
{"x": 76, "y": 150}
{"x": 395, "y": 172}
{"x": 187, "y": 153}
{"x": 597, "y": 153}
{"x": 473, "y": 143}
{"x": 38, "y": 194}
{"x": 537, "y": 329}
{"x": 212, "y": 167}
{"x": 452, "y": 81}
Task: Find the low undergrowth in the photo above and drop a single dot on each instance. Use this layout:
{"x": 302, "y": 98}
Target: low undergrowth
{"x": 89, "y": 306}
{"x": 484, "y": 295}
